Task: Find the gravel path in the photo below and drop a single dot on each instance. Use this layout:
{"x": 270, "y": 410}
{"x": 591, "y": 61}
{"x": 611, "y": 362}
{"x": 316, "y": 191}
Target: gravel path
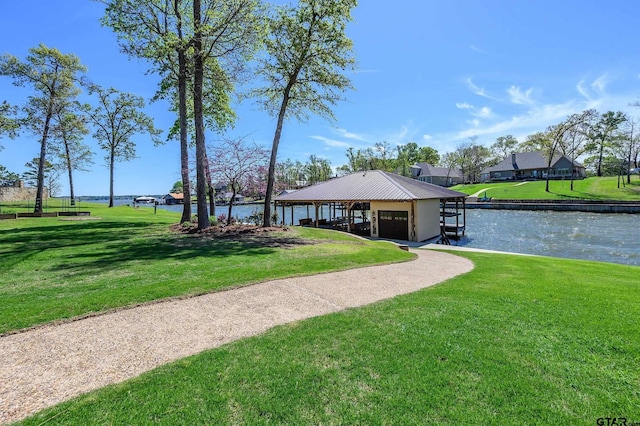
{"x": 50, "y": 364}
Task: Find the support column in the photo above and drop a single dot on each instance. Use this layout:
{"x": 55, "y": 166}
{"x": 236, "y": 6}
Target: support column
{"x": 316, "y": 206}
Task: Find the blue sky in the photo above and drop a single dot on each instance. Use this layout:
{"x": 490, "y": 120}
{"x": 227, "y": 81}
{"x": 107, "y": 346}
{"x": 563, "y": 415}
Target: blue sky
{"x": 430, "y": 72}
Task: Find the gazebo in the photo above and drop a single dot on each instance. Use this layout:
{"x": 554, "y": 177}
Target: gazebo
{"x": 391, "y": 206}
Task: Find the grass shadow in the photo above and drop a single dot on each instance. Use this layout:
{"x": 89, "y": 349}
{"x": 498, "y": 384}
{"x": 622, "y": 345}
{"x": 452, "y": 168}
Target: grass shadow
{"x": 87, "y": 247}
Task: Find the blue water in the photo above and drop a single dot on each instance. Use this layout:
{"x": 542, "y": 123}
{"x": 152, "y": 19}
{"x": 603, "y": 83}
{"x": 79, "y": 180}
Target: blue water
{"x": 576, "y": 235}
{"x": 591, "y": 236}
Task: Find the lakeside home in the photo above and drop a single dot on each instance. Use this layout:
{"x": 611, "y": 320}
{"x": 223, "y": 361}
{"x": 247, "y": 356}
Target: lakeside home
{"x": 533, "y": 165}
{"x": 441, "y": 176}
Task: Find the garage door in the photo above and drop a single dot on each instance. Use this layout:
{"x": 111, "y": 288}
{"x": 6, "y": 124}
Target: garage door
{"x": 393, "y": 224}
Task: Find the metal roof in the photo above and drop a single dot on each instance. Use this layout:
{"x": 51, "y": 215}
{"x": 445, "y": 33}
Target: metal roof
{"x": 426, "y": 169}
{"x": 527, "y": 161}
{"x": 372, "y": 185}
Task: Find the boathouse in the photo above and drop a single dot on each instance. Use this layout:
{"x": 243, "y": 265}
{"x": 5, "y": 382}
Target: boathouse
{"x": 381, "y": 205}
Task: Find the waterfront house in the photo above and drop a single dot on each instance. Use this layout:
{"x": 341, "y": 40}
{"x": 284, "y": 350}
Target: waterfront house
{"x": 533, "y": 165}
{"x": 441, "y": 176}
{"x": 239, "y": 198}
{"x": 387, "y": 205}
{"x": 173, "y": 198}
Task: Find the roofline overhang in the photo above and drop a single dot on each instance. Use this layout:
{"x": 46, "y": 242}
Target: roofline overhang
{"x": 404, "y": 200}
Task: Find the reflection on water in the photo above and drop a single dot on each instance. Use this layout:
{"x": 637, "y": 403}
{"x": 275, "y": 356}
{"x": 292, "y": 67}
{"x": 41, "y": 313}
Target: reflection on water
{"x": 590, "y": 236}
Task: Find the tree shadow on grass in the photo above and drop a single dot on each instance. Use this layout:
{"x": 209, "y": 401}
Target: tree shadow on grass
{"x": 103, "y": 246}
{"x": 579, "y": 195}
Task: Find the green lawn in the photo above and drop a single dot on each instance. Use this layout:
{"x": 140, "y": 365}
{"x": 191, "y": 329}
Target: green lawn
{"x": 519, "y": 340}
{"x": 594, "y": 188}
{"x": 54, "y": 268}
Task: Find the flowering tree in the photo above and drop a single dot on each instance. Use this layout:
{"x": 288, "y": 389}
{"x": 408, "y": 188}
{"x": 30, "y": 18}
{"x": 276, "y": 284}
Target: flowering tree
{"x": 237, "y": 164}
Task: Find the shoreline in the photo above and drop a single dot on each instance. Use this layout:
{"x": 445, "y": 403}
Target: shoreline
{"x": 588, "y": 206}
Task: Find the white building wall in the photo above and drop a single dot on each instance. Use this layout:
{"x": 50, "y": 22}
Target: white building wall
{"x": 426, "y": 219}
{"x": 392, "y": 206}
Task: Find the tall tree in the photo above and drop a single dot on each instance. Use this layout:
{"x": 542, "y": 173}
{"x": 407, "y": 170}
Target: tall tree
{"x": 164, "y": 32}
{"x": 556, "y": 136}
{"x": 176, "y": 188}
{"x": 536, "y": 142}
{"x": 449, "y": 161}
{"x": 156, "y": 30}
{"x": 54, "y": 77}
{"x": 7, "y": 178}
{"x": 427, "y": 154}
{"x": 630, "y": 146}
{"x": 9, "y": 125}
{"x": 602, "y": 135}
{"x": 472, "y": 158}
{"x": 572, "y": 143}
{"x": 51, "y": 175}
{"x": 68, "y": 134}
{"x": 504, "y": 146}
{"x": 307, "y": 52}
{"x": 237, "y": 164}
{"x": 317, "y": 170}
{"x": 116, "y": 119}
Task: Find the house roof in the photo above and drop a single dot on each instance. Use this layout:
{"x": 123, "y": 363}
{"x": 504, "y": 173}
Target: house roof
{"x": 426, "y": 169}
{"x": 372, "y": 185}
{"x": 526, "y": 161}
{"x": 175, "y": 196}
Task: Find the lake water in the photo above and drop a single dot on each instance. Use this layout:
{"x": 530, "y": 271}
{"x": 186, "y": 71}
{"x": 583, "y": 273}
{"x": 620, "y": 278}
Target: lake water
{"x": 576, "y": 235}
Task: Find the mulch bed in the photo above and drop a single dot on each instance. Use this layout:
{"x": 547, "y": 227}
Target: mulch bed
{"x": 265, "y": 237}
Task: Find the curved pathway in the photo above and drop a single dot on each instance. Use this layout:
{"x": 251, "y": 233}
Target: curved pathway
{"x": 53, "y": 363}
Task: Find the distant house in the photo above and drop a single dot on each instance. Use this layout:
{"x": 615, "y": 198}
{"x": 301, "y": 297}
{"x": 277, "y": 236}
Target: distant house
{"x": 440, "y": 176}
{"x": 173, "y": 198}
{"x": 533, "y": 165}
{"x": 238, "y": 199}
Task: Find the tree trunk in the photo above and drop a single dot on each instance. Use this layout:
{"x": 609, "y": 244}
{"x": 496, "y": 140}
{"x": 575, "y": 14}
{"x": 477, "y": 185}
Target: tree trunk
{"x": 630, "y": 153}
{"x": 548, "y": 173}
{"x": 41, "y": 162}
{"x": 233, "y": 197}
{"x": 198, "y": 72}
{"x": 211, "y": 190}
{"x": 112, "y": 160}
{"x": 274, "y": 156}
{"x": 599, "y": 173}
{"x": 182, "y": 117}
{"x": 572, "y": 170}
{"x": 184, "y": 143}
{"x": 69, "y": 169}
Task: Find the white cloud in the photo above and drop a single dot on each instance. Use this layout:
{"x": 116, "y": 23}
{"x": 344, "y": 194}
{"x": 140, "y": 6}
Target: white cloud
{"x": 484, "y": 112}
{"x": 427, "y": 137}
{"x": 517, "y": 97}
{"x": 400, "y": 137}
{"x": 349, "y": 135}
{"x": 582, "y": 90}
{"x": 477, "y": 90}
{"x": 600, "y": 84}
{"x": 477, "y": 49}
{"x": 331, "y": 142}
{"x": 537, "y": 116}
{"x": 536, "y": 119}
{"x": 596, "y": 89}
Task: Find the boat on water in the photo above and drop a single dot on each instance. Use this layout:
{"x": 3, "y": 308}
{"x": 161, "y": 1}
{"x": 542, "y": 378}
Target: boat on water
{"x": 144, "y": 200}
